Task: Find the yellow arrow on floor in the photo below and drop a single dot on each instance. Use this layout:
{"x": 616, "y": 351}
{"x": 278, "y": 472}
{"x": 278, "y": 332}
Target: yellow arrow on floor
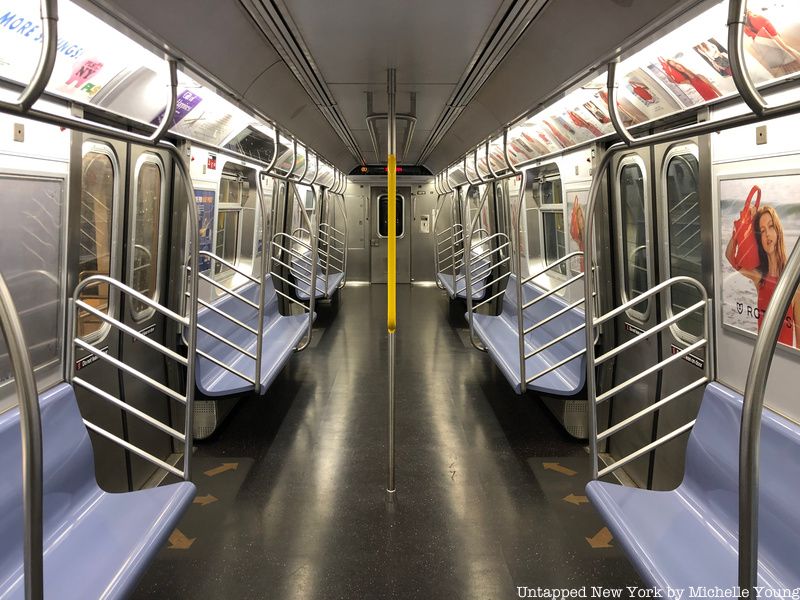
{"x": 204, "y": 500}
{"x": 572, "y": 499}
{"x": 221, "y": 469}
{"x": 601, "y": 539}
{"x": 178, "y": 541}
{"x": 558, "y": 468}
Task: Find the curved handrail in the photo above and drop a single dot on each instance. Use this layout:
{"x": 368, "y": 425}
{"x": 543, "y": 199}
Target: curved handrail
{"x": 30, "y": 420}
{"x": 511, "y": 167}
{"x": 744, "y": 84}
{"x": 489, "y": 161}
{"x": 48, "y": 10}
{"x": 477, "y": 170}
{"x": 172, "y": 103}
{"x": 466, "y": 173}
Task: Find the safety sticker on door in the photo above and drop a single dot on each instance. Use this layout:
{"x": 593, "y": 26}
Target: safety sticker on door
{"x": 146, "y": 331}
{"x": 87, "y": 360}
{"x": 630, "y": 328}
{"x": 698, "y": 362}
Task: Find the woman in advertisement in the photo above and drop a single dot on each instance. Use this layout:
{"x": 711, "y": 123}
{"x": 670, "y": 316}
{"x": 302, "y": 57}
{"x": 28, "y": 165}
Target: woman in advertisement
{"x": 769, "y": 47}
{"x": 772, "y": 258}
{"x": 679, "y": 74}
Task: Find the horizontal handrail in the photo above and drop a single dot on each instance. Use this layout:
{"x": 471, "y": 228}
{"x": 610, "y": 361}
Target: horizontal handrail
{"x": 497, "y": 295}
{"x": 134, "y": 449}
{"x": 230, "y": 369}
{"x": 157, "y": 385}
{"x": 555, "y": 366}
{"x": 226, "y": 341}
{"x": 222, "y": 313}
{"x": 227, "y": 291}
{"x": 649, "y": 293}
{"x": 129, "y": 291}
{"x": 652, "y": 408}
{"x": 132, "y": 332}
{"x": 552, "y": 291}
{"x": 130, "y": 409}
{"x": 555, "y": 341}
{"x": 551, "y": 266}
{"x": 228, "y": 264}
{"x": 646, "y": 449}
{"x": 649, "y": 332}
{"x": 555, "y": 315}
{"x": 651, "y": 370}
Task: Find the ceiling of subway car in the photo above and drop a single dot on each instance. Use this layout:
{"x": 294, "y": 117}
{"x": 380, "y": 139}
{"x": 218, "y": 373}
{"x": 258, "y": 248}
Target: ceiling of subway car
{"x": 465, "y": 68}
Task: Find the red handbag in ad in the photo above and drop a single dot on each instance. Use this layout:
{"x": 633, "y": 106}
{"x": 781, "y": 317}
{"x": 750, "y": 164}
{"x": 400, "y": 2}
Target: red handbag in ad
{"x": 746, "y": 256}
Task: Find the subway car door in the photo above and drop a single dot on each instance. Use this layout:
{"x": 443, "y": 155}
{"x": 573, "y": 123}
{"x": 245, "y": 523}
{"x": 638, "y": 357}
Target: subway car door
{"x": 633, "y": 221}
{"x": 146, "y": 209}
{"x": 380, "y": 231}
{"x": 96, "y": 221}
{"x": 683, "y": 214}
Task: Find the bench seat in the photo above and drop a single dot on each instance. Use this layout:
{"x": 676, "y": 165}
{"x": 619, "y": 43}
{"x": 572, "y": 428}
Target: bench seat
{"x": 689, "y": 536}
{"x": 281, "y": 335}
{"x": 96, "y": 544}
{"x": 500, "y": 336}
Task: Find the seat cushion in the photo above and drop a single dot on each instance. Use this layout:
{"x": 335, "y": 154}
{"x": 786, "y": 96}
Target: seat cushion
{"x": 689, "y": 536}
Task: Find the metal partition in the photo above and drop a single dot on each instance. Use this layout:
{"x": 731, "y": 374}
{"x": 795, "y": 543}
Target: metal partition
{"x": 77, "y": 305}
{"x": 703, "y": 305}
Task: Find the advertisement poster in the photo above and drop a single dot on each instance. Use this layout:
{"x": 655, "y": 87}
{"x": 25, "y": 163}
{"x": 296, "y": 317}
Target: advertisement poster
{"x": 576, "y": 218}
{"x": 205, "y": 216}
{"x": 647, "y": 96}
{"x": 186, "y": 101}
{"x": 754, "y": 247}
{"x": 772, "y": 37}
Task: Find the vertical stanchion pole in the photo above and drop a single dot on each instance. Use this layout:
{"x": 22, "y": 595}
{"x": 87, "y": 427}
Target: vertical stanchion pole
{"x": 391, "y": 267}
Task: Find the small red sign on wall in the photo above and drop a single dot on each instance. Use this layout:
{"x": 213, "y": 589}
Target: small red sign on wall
{"x": 212, "y": 162}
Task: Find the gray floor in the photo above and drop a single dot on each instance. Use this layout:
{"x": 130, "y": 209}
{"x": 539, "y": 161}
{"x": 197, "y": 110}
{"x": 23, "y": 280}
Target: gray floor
{"x": 303, "y": 513}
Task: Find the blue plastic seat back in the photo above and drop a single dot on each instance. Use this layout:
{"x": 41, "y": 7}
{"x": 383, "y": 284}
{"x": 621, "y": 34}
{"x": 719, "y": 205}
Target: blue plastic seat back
{"x": 556, "y": 327}
{"x": 712, "y": 475}
{"x": 68, "y": 474}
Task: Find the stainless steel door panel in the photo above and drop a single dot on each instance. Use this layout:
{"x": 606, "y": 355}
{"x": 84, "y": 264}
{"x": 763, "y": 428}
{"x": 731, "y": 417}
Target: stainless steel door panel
{"x": 683, "y": 251}
{"x": 109, "y": 458}
{"x": 634, "y": 252}
{"x": 133, "y": 353}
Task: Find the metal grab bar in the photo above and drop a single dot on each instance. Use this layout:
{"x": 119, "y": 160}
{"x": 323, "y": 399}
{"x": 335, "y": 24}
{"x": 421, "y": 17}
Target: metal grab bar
{"x": 30, "y": 421}
{"x": 48, "y": 10}
{"x": 278, "y": 249}
{"x": 552, "y": 265}
{"x": 230, "y": 265}
{"x": 76, "y": 305}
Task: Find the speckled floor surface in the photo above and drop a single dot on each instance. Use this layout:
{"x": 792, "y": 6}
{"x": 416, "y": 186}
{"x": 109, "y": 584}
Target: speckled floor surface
{"x": 476, "y": 515}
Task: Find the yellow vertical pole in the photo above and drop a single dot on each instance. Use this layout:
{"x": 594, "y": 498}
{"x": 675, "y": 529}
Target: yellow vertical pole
{"x": 391, "y": 265}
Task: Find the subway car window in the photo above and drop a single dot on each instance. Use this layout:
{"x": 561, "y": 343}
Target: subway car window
{"x": 684, "y": 236}
{"x": 383, "y": 215}
{"x": 548, "y": 196}
{"x": 145, "y": 240}
{"x": 634, "y": 233}
{"x": 33, "y": 275}
{"x": 98, "y": 185}
{"x": 234, "y": 192}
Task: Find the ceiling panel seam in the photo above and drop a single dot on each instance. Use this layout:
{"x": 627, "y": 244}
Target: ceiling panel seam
{"x": 273, "y": 20}
{"x": 495, "y": 46}
{"x": 257, "y": 77}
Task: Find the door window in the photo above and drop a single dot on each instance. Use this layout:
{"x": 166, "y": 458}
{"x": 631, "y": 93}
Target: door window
{"x": 98, "y": 188}
{"x": 147, "y": 209}
{"x": 685, "y": 244}
{"x": 635, "y": 254}
{"x": 383, "y": 215}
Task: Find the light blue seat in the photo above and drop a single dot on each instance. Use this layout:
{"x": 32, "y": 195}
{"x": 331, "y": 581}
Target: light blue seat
{"x": 304, "y": 285}
{"x": 96, "y": 544}
{"x": 689, "y": 536}
{"x": 281, "y": 335}
{"x": 500, "y": 336}
{"x": 480, "y": 269}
